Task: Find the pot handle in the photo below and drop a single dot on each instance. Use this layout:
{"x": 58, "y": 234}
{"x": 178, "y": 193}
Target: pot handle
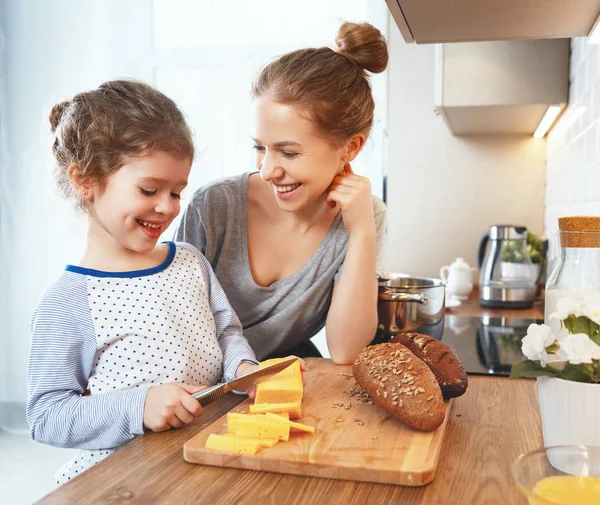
{"x": 404, "y": 297}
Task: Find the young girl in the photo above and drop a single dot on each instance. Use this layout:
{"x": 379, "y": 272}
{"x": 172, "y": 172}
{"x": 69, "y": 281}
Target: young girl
{"x": 121, "y": 340}
{"x": 298, "y": 244}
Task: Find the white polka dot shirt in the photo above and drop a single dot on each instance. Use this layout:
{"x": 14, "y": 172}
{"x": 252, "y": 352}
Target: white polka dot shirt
{"x": 116, "y": 334}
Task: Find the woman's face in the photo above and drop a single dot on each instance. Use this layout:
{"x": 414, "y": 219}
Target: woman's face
{"x": 298, "y": 164}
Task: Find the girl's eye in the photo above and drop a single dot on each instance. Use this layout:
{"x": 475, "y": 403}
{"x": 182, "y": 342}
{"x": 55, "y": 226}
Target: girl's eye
{"x": 289, "y": 154}
{"x": 147, "y": 193}
{"x": 176, "y": 195}
{"x": 258, "y": 148}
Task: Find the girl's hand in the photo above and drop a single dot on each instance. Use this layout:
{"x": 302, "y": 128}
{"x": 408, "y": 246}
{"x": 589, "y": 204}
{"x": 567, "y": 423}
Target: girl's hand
{"x": 171, "y": 405}
{"x": 353, "y": 194}
{"x": 249, "y": 367}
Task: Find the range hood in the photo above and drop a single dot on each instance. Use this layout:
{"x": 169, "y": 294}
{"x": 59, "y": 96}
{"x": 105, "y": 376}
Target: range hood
{"x": 503, "y": 87}
{"x": 438, "y": 21}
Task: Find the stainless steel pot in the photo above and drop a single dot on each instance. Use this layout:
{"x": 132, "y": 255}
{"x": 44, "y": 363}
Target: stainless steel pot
{"x": 410, "y": 304}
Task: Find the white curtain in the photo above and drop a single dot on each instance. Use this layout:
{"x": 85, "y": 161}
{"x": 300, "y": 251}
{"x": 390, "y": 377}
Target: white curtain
{"x": 202, "y": 53}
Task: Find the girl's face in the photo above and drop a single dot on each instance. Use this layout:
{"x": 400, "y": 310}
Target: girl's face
{"x": 297, "y": 163}
{"x": 139, "y": 201}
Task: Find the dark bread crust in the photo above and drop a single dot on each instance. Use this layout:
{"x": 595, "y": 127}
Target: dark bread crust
{"x": 442, "y": 361}
{"x": 402, "y": 384}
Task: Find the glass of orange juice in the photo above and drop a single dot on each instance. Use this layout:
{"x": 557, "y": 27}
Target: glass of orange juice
{"x": 560, "y": 475}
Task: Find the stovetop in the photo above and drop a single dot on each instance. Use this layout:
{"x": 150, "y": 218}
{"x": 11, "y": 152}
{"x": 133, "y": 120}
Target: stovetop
{"x": 486, "y": 345}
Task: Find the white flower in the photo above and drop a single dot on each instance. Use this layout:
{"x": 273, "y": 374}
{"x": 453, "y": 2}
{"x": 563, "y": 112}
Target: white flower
{"x": 579, "y": 348}
{"x": 533, "y": 346}
{"x": 591, "y": 308}
{"x": 565, "y": 307}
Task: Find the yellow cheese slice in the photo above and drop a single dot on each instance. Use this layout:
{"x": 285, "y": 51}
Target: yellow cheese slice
{"x": 293, "y": 409}
{"x": 292, "y": 424}
{"x": 262, "y": 442}
{"x": 257, "y": 426}
{"x": 232, "y": 444}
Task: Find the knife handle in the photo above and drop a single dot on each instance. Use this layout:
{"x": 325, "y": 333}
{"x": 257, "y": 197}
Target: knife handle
{"x": 209, "y": 395}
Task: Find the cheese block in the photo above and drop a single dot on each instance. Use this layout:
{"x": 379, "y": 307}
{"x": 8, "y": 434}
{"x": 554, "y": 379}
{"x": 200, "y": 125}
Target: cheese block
{"x": 257, "y": 426}
{"x": 292, "y": 424}
{"x": 232, "y": 444}
{"x": 293, "y": 409}
{"x": 285, "y": 387}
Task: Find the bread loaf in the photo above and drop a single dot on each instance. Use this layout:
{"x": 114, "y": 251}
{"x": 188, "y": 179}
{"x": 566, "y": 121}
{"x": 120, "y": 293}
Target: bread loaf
{"x": 402, "y": 384}
{"x": 442, "y": 361}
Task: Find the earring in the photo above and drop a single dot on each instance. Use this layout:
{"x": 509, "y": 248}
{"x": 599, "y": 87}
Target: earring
{"x": 85, "y": 194}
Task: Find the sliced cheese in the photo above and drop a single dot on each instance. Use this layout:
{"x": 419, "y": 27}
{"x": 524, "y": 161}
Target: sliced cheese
{"x": 262, "y": 442}
{"x": 285, "y": 387}
{"x": 293, "y": 409}
{"x": 257, "y": 426}
{"x": 292, "y": 424}
{"x": 232, "y": 444}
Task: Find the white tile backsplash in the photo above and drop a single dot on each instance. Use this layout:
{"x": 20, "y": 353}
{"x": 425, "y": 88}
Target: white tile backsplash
{"x": 573, "y": 145}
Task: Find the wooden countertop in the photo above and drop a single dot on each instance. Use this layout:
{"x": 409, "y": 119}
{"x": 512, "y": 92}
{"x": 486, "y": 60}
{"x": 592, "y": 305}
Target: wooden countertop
{"x": 495, "y": 421}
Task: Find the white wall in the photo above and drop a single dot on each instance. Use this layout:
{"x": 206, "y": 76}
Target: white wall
{"x": 443, "y": 191}
{"x": 51, "y": 50}
{"x": 573, "y": 147}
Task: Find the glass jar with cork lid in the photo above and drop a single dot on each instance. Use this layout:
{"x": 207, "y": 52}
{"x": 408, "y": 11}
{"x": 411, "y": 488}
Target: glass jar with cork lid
{"x": 576, "y": 276}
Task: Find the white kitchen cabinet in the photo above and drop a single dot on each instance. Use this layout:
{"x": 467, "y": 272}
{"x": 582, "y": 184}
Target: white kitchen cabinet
{"x": 500, "y": 87}
{"x": 437, "y": 21}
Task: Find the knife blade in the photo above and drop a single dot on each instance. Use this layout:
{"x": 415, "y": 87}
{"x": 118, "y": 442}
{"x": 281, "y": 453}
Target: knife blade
{"x": 242, "y": 383}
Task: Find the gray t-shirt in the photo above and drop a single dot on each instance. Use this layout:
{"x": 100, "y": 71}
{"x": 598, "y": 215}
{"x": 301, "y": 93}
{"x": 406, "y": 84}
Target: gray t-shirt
{"x": 289, "y": 311}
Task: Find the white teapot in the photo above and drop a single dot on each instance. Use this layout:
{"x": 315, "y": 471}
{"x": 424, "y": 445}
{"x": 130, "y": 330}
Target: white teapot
{"x": 458, "y": 278}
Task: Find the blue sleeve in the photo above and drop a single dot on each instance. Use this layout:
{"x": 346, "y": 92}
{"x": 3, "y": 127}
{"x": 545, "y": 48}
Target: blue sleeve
{"x": 234, "y": 345}
{"x": 63, "y": 348}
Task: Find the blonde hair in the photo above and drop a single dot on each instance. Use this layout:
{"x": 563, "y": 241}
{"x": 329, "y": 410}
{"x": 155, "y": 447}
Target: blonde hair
{"x": 331, "y": 88}
{"x": 101, "y": 129}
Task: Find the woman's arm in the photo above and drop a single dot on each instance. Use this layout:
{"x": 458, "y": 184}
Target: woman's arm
{"x": 352, "y": 316}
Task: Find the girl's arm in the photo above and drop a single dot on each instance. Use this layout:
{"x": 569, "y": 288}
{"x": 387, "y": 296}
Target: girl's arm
{"x": 234, "y": 345}
{"x": 63, "y": 348}
{"x": 352, "y": 317}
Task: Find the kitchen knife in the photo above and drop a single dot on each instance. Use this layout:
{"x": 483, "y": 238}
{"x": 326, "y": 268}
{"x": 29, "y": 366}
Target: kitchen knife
{"x": 242, "y": 383}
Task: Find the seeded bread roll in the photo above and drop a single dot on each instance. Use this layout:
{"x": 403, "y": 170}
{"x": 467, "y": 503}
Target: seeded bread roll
{"x": 402, "y": 384}
{"x": 444, "y": 364}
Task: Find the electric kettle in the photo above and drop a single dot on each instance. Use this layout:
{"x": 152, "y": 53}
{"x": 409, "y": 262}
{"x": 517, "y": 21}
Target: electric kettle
{"x": 507, "y": 277}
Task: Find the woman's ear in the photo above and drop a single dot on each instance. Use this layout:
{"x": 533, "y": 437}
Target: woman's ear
{"x": 354, "y": 146}
{"x": 82, "y": 186}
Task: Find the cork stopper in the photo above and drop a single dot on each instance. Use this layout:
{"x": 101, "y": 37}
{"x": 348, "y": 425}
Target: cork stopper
{"x": 579, "y": 231}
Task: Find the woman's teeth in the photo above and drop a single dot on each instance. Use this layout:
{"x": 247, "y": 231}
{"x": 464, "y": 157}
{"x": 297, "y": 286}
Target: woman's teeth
{"x": 287, "y": 188}
{"x": 149, "y": 225}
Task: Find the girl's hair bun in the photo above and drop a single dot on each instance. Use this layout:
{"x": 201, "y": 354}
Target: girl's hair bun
{"x": 56, "y": 114}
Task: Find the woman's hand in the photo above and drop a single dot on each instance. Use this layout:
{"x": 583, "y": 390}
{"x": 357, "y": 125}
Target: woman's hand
{"x": 353, "y": 194}
{"x": 171, "y": 405}
{"x": 246, "y": 368}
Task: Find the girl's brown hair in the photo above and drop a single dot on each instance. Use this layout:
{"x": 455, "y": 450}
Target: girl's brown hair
{"x": 101, "y": 129}
{"x": 331, "y": 88}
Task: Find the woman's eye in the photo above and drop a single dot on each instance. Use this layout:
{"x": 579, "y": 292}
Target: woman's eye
{"x": 289, "y": 154}
{"x": 258, "y": 148}
{"x": 176, "y": 195}
{"x": 147, "y": 192}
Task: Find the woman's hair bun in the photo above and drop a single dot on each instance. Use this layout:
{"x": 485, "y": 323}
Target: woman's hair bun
{"x": 364, "y": 45}
{"x": 56, "y": 114}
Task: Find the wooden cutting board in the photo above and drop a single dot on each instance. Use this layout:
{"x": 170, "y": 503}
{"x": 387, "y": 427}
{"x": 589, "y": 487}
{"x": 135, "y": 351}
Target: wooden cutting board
{"x": 360, "y": 443}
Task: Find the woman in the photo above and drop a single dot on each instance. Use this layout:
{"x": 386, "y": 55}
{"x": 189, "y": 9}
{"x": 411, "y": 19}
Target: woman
{"x": 298, "y": 244}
